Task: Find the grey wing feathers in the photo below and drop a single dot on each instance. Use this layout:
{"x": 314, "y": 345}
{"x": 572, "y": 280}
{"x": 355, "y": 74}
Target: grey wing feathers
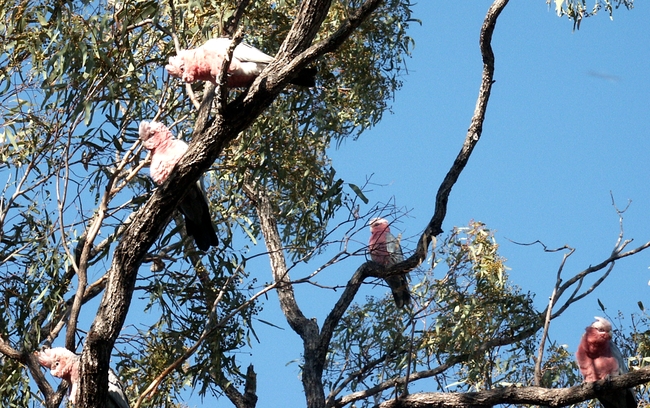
{"x": 394, "y": 249}
{"x": 399, "y": 284}
{"x": 116, "y": 392}
{"x": 247, "y": 53}
{"x": 622, "y": 364}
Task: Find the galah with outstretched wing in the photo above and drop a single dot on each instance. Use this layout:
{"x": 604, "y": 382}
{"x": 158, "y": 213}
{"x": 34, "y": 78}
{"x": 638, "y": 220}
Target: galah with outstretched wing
{"x": 385, "y": 250}
{"x": 598, "y": 358}
{"x": 64, "y": 364}
{"x": 204, "y": 64}
{"x": 166, "y": 151}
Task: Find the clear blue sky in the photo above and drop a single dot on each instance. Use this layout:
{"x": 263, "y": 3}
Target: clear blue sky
{"x": 566, "y": 124}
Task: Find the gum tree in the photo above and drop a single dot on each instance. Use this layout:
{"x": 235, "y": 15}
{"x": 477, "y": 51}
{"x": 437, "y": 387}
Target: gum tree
{"x": 81, "y": 222}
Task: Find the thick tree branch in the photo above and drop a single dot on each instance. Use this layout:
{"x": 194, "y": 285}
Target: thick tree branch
{"x": 248, "y": 399}
{"x": 296, "y": 319}
{"x": 559, "y": 397}
{"x": 335, "y": 40}
{"x": 332, "y": 320}
{"x": 52, "y": 398}
{"x": 307, "y": 329}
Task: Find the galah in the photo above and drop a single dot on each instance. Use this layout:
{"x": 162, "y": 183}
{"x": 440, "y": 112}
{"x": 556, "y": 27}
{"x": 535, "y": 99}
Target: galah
{"x": 598, "y": 358}
{"x": 166, "y": 151}
{"x": 385, "y": 250}
{"x": 64, "y": 364}
{"x": 204, "y": 64}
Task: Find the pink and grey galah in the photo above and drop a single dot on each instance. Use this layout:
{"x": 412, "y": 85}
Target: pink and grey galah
{"x": 598, "y": 358}
{"x": 64, "y": 364}
{"x": 166, "y": 151}
{"x": 204, "y": 64}
{"x": 385, "y": 249}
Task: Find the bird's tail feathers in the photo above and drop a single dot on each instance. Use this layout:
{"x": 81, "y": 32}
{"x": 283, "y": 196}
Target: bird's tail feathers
{"x": 306, "y": 77}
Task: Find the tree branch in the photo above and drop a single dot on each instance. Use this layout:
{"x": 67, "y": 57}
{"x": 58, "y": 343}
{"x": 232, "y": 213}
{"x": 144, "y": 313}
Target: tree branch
{"x": 249, "y": 398}
{"x": 435, "y": 225}
{"x": 307, "y": 329}
{"x": 547, "y": 319}
{"x": 210, "y": 328}
{"x": 607, "y": 263}
{"x": 559, "y": 397}
{"x": 474, "y": 132}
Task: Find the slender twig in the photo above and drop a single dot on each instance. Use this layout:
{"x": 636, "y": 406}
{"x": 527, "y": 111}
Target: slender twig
{"x": 177, "y": 46}
{"x": 209, "y": 329}
{"x": 221, "y": 91}
{"x": 233, "y": 21}
{"x": 547, "y": 320}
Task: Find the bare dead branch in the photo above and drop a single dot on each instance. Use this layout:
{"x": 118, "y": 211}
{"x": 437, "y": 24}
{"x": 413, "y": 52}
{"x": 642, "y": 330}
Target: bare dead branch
{"x": 247, "y": 399}
{"x": 578, "y": 278}
{"x": 547, "y": 319}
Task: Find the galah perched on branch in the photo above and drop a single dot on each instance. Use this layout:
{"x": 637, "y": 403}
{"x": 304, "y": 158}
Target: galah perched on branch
{"x": 386, "y": 250}
{"x": 204, "y": 64}
{"x": 166, "y": 151}
{"x": 64, "y": 364}
{"x": 598, "y": 358}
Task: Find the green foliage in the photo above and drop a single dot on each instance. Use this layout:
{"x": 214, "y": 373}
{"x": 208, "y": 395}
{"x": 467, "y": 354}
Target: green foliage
{"x": 635, "y": 343}
{"x": 473, "y": 305}
{"x": 14, "y": 387}
{"x": 576, "y": 10}
{"x": 470, "y": 317}
{"x": 285, "y": 150}
{"x": 371, "y": 338}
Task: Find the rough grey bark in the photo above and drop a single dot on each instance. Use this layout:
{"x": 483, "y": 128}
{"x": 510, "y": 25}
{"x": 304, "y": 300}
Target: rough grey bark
{"x": 558, "y": 397}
